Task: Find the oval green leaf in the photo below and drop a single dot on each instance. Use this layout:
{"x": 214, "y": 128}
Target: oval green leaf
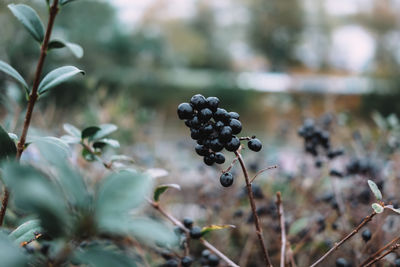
{"x": 72, "y": 130}
{"x": 162, "y": 188}
{"x": 30, "y": 19}
{"x": 377, "y": 208}
{"x": 8, "y": 150}
{"x": 64, "y": 2}
{"x": 374, "y": 188}
{"x": 89, "y": 131}
{"x": 7, "y": 69}
{"x": 214, "y": 227}
{"x": 106, "y": 141}
{"x": 26, "y": 231}
{"x": 105, "y": 129}
{"x": 75, "y": 49}
{"x": 56, "y": 77}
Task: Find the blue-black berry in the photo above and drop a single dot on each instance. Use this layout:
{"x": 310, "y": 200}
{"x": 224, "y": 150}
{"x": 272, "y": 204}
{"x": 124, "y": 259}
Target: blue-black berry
{"x": 201, "y": 150}
{"x": 209, "y": 159}
{"x": 233, "y": 144}
{"x": 186, "y": 261}
{"x": 225, "y": 134}
{"x": 234, "y": 115}
{"x": 235, "y": 125}
{"x": 254, "y": 144}
{"x": 226, "y": 179}
{"x": 198, "y": 101}
{"x": 188, "y": 223}
{"x": 216, "y": 145}
{"x": 171, "y": 263}
{"x": 185, "y": 111}
{"x": 366, "y": 235}
{"x": 213, "y": 260}
{"x": 341, "y": 262}
{"x": 195, "y": 232}
{"x": 219, "y": 158}
{"x": 205, "y": 114}
{"x": 212, "y": 103}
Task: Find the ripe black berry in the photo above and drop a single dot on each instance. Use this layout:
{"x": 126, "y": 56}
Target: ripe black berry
{"x": 206, "y": 130}
{"x": 216, "y": 145}
{"x": 226, "y": 179}
{"x": 235, "y": 125}
{"x": 195, "y": 232}
{"x": 171, "y": 263}
{"x": 233, "y": 145}
{"x": 186, "y": 261}
{"x": 201, "y": 150}
{"x": 213, "y": 260}
{"x": 198, "y": 101}
{"x": 185, "y": 111}
{"x": 212, "y": 103}
{"x": 188, "y": 223}
{"x": 205, "y": 253}
{"x": 219, "y": 158}
{"x": 225, "y": 134}
{"x": 234, "y": 115}
{"x": 194, "y": 122}
{"x": 366, "y": 235}
{"x": 340, "y": 262}
{"x": 205, "y": 114}
{"x": 254, "y": 144}
{"x": 218, "y": 125}
{"x": 209, "y": 159}
{"x": 220, "y": 114}
{"x": 195, "y": 134}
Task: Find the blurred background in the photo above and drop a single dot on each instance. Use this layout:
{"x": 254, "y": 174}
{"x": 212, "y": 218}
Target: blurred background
{"x": 275, "y": 62}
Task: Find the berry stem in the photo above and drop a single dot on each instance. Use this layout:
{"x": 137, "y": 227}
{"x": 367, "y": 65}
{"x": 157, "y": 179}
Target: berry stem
{"x": 32, "y": 98}
{"x": 176, "y": 222}
{"x": 392, "y": 248}
{"x": 283, "y": 230}
{"x": 376, "y": 254}
{"x": 259, "y": 231}
{"x": 263, "y": 170}
{"x": 338, "y": 244}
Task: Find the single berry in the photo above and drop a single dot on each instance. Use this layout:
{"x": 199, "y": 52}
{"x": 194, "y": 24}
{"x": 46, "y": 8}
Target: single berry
{"x": 254, "y": 144}
{"x": 194, "y": 122}
{"x": 195, "y": 232}
{"x": 198, "y": 101}
{"x": 234, "y": 115}
{"x": 319, "y": 163}
{"x": 226, "y": 179}
{"x": 233, "y": 145}
{"x": 341, "y": 262}
{"x": 171, "y": 263}
{"x": 216, "y": 145}
{"x": 209, "y": 159}
{"x": 186, "y": 261}
{"x": 205, "y": 114}
{"x": 220, "y": 114}
{"x": 218, "y": 125}
{"x": 206, "y": 130}
{"x": 201, "y": 150}
{"x": 205, "y": 253}
{"x": 195, "y": 134}
{"x": 219, "y": 158}
{"x": 236, "y": 126}
{"x": 225, "y": 134}
{"x": 188, "y": 223}
{"x": 185, "y": 111}
{"x": 366, "y": 235}
{"x": 213, "y": 260}
{"x": 397, "y": 262}
{"x": 212, "y": 103}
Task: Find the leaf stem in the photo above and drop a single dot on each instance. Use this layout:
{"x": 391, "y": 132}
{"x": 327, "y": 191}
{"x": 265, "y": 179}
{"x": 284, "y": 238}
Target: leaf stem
{"x": 257, "y": 224}
{"x": 32, "y": 99}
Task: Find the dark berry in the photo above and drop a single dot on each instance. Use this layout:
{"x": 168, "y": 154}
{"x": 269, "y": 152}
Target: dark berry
{"x": 235, "y": 125}
{"x": 195, "y": 134}
{"x": 219, "y": 158}
{"x": 188, "y": 223}
{"x": 185, "y": 111}
{"x": 340, "y": 262}
{"x": 188, "y": 123}
{"x": 206, "y": 130}
{"x": 171, "y": 263}
{"x": 218, "y": 125}
{"x": 366, "y": 235}
{"x": 319, "y": 163}
{"x": 205, "y": 114}
{"x": 209, "y": 159}
{"x": 254, "y": 144}
{"x": 195, "y": 232}
{"x": 201, "y": 150}
{"x": 226, "y": 179}
{"x": 186, "y": 261}
{"x": 397, "y": 262}
{"x": 213, "y": 260}
{"x": 233, "y": 145}
{"x": 198, "y": 101}
{"x": 225, "y": 134}
{"x": 194, "y": 122}
{"x": 220, "y": 114}
{"x": 216, "y": 145}
{"x": 336, "y": 173}
{"x": 205, "y": 253}
{"x": 234, "y": 115}
{"x": 212, "y": 103}
{"x": 178, "y": 231}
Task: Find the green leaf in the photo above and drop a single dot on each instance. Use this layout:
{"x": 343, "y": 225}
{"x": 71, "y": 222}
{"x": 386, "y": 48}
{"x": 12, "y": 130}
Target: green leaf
{"x": 32, "y": 192}
{"x": 6, "y": 68}
{"x": 26, "y": 231}
{"x": 64, "y": 2}
{"x": 46, "y": 144}
{"x": 72, "y": 130}
{"x": 13, "y": 136}
{"x": 76, "y": 49}
{"x": 70, "y": 139}
{"x": 103, "y": 257}
{"x": 8, "y": 150}
{"x": 150, "y": 231}
{"x": 87, "y": 155}
{"x": 57, "y": 76}
{"x": 10, "y": 253}
{"x": 374, "y": 188}
{"x": 377, "y": 208}
{"x": 105, "y": 129}
{"x": 162, "y": 188}
{"x": 30, "y": 19}
{"x": 117, "y": 195}
{"x": 213, "y": 227}
{"x": 89, "y": 131}
{"x": 106, "y": 141}
{"x": 122, "y": 158}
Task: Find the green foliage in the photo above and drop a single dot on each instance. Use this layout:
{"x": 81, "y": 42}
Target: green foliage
{"x": 64, "y": 2}
{"x": 377, "y": 208}
{"x": 10, "y": 253}
{"x": 29, "y": 19}
{"x": 26, "y": 231}
{"x": 101, "y": 256}
{"x": 89, "y": 132}
{"x": 76, "y": 49}
{"x": 6, "y": 68}
{"x": 56, "y": 77}
{"x": 8, "y": 149}
{"x": 162, "y": 188}
{"x": 375, "y": 190}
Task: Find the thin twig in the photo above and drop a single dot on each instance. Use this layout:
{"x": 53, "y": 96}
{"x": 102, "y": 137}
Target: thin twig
{"x": 283, "y": 230}
{"x": 392, "y": 248}
{"x": 263, "y": 170}
{"x": 176, "y": 222}
{"x": 32, "y": 99}
{"x": 290, "y": 255}
{"x": 337, "y": 245}
{"x": 376, "y": 254}
{"x": 259, "y": 231}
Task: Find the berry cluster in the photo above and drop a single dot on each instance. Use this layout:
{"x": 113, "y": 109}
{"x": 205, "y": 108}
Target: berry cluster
{"x": 317, "y": 140}
{"x": 360, "y": 166}
{"x": 214, "y": 129}
{"x": 208, "y": 259}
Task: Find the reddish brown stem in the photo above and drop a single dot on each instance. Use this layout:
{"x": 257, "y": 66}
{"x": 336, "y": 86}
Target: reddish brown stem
{"x": 32, "y": 98}
{"x": 257, "y": 224}
{"x": 376, "y": 254}
{"x": 337, "y": 245}
{"x": 392, "y": 248}
{"x": 283, "y": 230}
